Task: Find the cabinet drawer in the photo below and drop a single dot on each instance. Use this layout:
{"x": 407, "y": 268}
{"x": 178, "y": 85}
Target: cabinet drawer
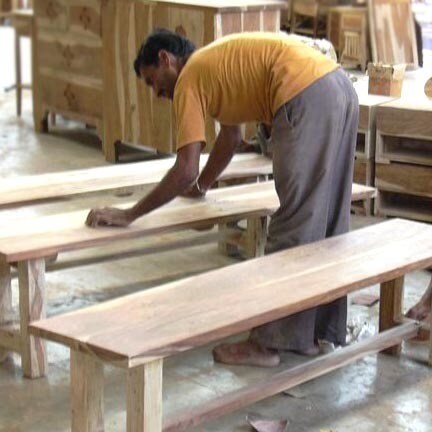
{"x": 70, "y": 56}
{"x": 86, "y": 18}
{"x": 67, "y": 96}
{"x": 52, "y": 14}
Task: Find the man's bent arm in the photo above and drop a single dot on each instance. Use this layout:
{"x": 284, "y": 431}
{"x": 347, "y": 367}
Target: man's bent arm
{"x": 177, "y": 179}
{"x": 228, "y": 140}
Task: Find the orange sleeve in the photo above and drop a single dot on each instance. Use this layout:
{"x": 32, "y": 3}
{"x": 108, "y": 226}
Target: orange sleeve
{"x": 189, "y": 113}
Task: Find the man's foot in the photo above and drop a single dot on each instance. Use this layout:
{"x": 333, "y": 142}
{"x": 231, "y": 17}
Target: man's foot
{"x": 245, "y": 353}
{"x": 312, "y": 351}
{"x": 419, "y": 312}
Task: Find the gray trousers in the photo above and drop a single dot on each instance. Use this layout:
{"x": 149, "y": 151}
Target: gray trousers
{"x": 313, "y": 143}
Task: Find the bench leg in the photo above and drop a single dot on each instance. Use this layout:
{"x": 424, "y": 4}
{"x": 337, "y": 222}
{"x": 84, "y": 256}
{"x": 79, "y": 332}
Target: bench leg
{"x": 31, "y": 279}
{"x": 430, "y": 338}
{"x": 144, "y": 398}
{"x": 5, "y": 301}
{"x": 87, "y": 390}
{"x": 390, "y": 313}
{"x": 256, "y": 235}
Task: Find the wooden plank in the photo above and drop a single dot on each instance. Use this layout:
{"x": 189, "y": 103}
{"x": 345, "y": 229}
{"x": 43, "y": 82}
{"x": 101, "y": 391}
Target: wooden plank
{"x": 37, "y": 188}
{"x": 5, "y": 301}
{"x": 31, "y": 275}
{"x": 404, "y": 178}
{"x": 289, "y": 378}
{"x": 87, "y": 390}
{"x": 392, "y": 32}
{"x": 29, "y": 239}
{"x": 390, "y": 314}
{"x": 144, "y": 398}
{"x": 122, "y": 330}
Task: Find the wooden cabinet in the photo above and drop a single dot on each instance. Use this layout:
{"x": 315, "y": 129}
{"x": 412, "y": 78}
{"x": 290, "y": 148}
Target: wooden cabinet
{"x": 67, "y": 61}
{"x": 85, "y": 50}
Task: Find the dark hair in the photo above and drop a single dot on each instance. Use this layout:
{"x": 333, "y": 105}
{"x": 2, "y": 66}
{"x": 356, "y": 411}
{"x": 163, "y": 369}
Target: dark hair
{"x": 148, "y": 54}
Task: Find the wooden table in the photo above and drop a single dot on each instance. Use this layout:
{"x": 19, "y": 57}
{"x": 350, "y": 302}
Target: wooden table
{"x": 86, "y": 74}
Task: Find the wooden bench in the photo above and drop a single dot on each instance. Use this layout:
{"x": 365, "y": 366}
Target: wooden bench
{"x": 138, "y": 331}
{"x": 56, "y": 186}
{"x": 30, "y": 242}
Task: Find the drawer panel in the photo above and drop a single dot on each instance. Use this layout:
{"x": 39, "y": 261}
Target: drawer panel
{"x": 67, "y": 96}
{"x": 86, "y": 18}
{"x": 70, "y": 56}
{"x": 52, "y": 14}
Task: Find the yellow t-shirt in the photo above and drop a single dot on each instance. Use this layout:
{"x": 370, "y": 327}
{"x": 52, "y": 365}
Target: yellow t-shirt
{"x": 243, "y": 78}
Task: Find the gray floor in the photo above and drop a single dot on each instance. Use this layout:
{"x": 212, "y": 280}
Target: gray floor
{"x": 378, "y": 393}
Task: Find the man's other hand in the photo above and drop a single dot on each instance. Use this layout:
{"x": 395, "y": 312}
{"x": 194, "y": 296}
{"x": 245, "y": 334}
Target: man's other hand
{"x": 109, "y": 216}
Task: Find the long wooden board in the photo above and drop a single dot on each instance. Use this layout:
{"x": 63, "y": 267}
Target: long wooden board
{"x": 241, "y": 296}
{"x": 32, "y": 189}
{"x": 47, "y": 235}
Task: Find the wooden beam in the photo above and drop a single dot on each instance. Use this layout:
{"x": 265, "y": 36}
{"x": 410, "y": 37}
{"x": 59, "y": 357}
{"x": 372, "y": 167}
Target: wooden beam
{"x": 31, "y": 279}
{"x": 390, "y": 313}
{"x": 5, "y": 303}
{"x": 256, "y": 235}
{"x": 290, "y": 378}
{"x": 144, "y": 397}
{"x": 86, "y": 393}
{"x": 10, "y": 338}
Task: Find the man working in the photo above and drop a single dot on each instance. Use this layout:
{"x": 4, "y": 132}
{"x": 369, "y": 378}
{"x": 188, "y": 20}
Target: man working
{"x": 312, "y": 109}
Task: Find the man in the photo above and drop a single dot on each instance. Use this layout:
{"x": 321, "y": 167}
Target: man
{"x": 312, "y": 110}
{"x": 421, "y": 311}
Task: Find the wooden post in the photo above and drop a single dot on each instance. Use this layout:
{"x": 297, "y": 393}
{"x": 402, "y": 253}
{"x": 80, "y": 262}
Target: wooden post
{"x": 31, "y": 278}
{"x": 87, "y": 390}
{"x": 256, "y": 235}
{"x": 5, "y": 299}
{"x": 390, "y": 313}
{"x": 18, "y": 80}
{"x": 144, "y": 398}
{"x": 430, "y": 335}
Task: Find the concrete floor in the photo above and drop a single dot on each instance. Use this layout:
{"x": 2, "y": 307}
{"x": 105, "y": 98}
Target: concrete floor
{"x": 378, "y": 393}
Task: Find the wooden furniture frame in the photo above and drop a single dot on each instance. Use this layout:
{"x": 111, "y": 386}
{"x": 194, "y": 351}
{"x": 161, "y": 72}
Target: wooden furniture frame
{"x": 22, "y": 20}
{"x": 186, "y": 317}
{"x": 364, "y": 165}
{"x": 404, "y": 159}
{"x": 30, "y": 243}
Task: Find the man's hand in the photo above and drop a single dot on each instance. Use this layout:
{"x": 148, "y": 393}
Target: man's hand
{"x": 194, "y": 191}
{"x": 109, "y": 216}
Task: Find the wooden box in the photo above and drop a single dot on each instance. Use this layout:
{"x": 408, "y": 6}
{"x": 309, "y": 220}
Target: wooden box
{"x": 385, "y": 80}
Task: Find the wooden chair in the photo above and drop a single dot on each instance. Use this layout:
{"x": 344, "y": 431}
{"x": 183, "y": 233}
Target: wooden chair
{"x": 306, "y": 19}
{"x": 139, "y": 331}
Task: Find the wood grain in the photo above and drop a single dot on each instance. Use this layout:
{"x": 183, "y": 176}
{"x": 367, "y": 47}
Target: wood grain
{"x": 48, "y": 235}
{"x": 144, "y": 398}
{"x": 390, "y": 313}
{"x": 58, "y": 185}
{"x": 31, "y": 275}
{"x": 241, "y": 296}
{"x": 5, "y": 301}
{"x": 87, "y": 391}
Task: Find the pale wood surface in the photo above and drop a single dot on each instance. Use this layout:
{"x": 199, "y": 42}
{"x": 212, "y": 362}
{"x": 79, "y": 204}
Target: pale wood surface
{"x": 5, "y": 303}
{"x": 31, "y": 275}
{"x": 51, "y": 234}
{"x": 288, "y": 379}
{"x": 86, "y": 393}
{"x": 390, "y": 314}
{"x": 144, "y": 397}
{"x": 36, "y": 188}
{"x": 392, "y": 33}
{"x": 232, "y": 5}
{"x": 241, "y": 296}
{"x": 404, "y": 178}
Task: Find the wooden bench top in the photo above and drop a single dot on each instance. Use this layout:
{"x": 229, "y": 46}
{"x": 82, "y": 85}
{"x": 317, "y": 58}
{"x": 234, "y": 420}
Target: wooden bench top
{"x": 184, "y": 314}
{"x": 36, "y": 188}
{"x": 47, "y": 235}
